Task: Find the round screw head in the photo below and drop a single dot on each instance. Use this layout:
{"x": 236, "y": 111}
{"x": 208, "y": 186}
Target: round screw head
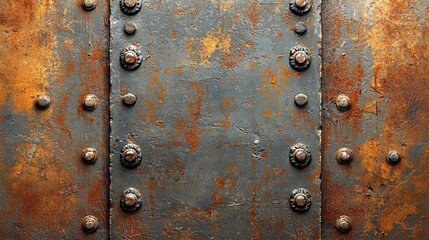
{"x": 129, "y": 99}
{"x": 301, "y": 3}
{"x": 301, "y": 99}
{"x": 343, "y": 102}
{"x": 89, "y": 5}
{"x": 130, "y": 27}
{"x": 300, "y": 155}
{"x": 300, "y": 28}
{"x": 130, "y": 3}
{"x": 130, "y": 199}
{"x": 89, "y": 155}
{"x": 90, "y": 102}
{"x": 344, "y": 155}
{"x": 90, "y": 224}
{"x": 43, "y": 101}
{"x": 130, "y": 57}
{"x": 393, "y": 157}
{"x": 300, "y": 200}
{"x": 130, "y": 155}
{"x": 300, "y": 57}
{"x": 343, "y": 224}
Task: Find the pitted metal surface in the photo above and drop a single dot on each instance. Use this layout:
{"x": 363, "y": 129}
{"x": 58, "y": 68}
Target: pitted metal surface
{"x": 215, "y": 119}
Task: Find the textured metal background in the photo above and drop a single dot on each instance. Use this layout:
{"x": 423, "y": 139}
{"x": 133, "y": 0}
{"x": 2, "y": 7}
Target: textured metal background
{"x": 216, "y": 79}
{"x": 377, "y": 53}
{"x": 55, "y": 48}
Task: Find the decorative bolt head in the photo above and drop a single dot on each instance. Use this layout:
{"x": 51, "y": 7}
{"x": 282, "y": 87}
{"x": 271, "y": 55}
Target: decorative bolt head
{"x": 343, "y": 102}
{"x": 129, "y": 99}
{"x": 131, "y": 200}
{"x": 299, "y": 155}
{"x": 89, "y": 5}
{"x": 343, "y": 224}
{"x": 90, "y": 102}
{"x": 300, "y": 58}
{"x": 130, "y": 7}
{"x": 130, "y": 58}
{"x": 344, "y": 155}
{"x": 89, "y": 155}
{"x": 131, "y": 155}
{"x": 300, "y": 7}
{"x": 300, "y": 200}
{"x": 130, "y": 27}
{"x": 43, "y": 101}
{"x": 90, "y": 224}
{"x": 301, "y": 99}
{"x": 393, "y": 157}
{"x": 301, "y": 3}
{"x": 300, "y": 28}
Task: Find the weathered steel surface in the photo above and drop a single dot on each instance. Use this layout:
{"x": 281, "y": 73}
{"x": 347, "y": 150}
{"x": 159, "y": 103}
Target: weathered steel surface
{"x": 215, "y": 118}
{"x": 376, "y": 52}
{"x": 59, "y": 49}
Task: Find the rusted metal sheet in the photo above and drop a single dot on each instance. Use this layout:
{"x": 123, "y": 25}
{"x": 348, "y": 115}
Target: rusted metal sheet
{"x": 58, "y": 49}
{"x": 376, "y": 52}
{"x": 213, "y": 122}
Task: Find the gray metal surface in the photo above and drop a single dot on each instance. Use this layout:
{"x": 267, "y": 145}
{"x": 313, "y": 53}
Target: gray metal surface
{"x": 215, "y": 117}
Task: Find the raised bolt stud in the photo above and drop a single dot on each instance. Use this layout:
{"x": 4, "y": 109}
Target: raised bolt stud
{"x": 90, "y": 224}
{"x": 299, "y": 58}
{"x": 344, "y": 155}
{"x": 393, "y": 157}
{"x": 343, "y": 102}
{"x": 130, "y": 27}
{"x": 43, "y": 101}
{"x": 131, "y": 200}
{"x": 90, "y": 102}
{"x": 300, "y": 28}
{"x": 130, "y": 7}
{"x": 89, "y": 155}
{"x": 300, "y": 200}
{"x": 300, "y": 7}
{"x": 130, "y": 58}
{"x": 89, "y": 5}
{"x": 301, "y": 99}
{"x": 343, "y": 224}
{"x": 129, "y": 99}
{"x": 299, "y": 156}
{"x": 131, "y": 155}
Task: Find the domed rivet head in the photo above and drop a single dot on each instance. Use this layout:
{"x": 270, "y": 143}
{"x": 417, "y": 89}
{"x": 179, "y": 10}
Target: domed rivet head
{"x": 300, "y": 7}
{"x": 89, "y": 155}
{"x": 130, "y": 7}
{"x": 43, "y": 101}
{"x": 130, "y": 58}
{"x": 89, "y": 5}
{"x": 299, "y": 58}
{"x": 344, "y": 155}
{"x": 90, "y": 102}
{"x": 301, "y": 99}
{"x": 300, "y": 28}
{"x": 299, "y": 156}
{"x": 129, "y": 99}
{"x": 393, "y": 157}
{"x": 131, "y": 155}
{"x": 131, "y": 200}
{"x": 343, "y": 102}
{"x": 300, "y": 200}
{"x": 90, "y": 224}
{"x": 130, "y": 27}
{"x": 343, "y": 224}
